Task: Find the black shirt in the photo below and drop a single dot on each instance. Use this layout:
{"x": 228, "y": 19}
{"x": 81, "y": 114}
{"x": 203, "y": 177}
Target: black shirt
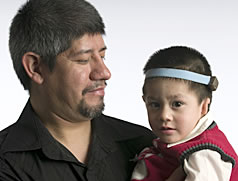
{"x": 28, "y": 151}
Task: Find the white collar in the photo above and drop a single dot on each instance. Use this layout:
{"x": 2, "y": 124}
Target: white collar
{"x": 201, "y": 126}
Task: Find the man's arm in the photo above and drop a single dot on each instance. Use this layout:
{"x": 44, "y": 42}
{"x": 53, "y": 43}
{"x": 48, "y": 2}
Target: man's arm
{"x": 177, "y": 175}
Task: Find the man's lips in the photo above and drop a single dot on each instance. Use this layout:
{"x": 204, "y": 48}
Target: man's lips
{"x": 97, "y": 87}
{"x": 98, "y": 91}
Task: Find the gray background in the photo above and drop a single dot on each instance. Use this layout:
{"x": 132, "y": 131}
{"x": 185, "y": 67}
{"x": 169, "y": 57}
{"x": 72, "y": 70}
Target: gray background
{"x": 136, "y": 29}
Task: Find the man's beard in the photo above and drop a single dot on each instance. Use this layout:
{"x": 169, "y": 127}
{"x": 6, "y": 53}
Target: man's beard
{"x": 91, "y": 111}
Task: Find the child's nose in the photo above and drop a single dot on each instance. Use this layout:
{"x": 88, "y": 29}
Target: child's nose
{"x": 165, "y": 114}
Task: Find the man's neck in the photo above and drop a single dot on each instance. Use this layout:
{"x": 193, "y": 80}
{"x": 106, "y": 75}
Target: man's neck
{"x": 74, "y": 135}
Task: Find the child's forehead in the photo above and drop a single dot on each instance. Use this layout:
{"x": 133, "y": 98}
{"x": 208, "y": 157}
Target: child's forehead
{"x": 167, "y": 88}
{"x": 158, "y": 84}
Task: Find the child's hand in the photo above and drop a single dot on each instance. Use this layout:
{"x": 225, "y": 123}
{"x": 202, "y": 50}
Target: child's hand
{"x": 177, "y": 175}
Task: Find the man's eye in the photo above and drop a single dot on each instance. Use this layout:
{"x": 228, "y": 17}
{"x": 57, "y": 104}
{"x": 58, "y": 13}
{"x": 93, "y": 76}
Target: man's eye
{"x": 82, "y": 61}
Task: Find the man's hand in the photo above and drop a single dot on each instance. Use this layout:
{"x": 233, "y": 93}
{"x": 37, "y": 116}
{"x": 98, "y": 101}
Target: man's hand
{"x": 177, "y": 175}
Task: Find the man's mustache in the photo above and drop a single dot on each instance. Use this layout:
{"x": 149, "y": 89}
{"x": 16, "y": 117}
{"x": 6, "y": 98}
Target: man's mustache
{"x": 95, "y": 86}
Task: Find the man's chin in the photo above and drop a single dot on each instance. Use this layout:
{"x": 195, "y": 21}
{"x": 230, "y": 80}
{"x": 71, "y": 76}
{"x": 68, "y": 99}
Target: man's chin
{"x": 91, "y": 110}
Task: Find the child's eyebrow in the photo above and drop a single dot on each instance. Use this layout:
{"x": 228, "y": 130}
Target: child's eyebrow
{"x": 176, "y": 96}
{"x": 151, "y": 98}
{"x": 170, "y": 97}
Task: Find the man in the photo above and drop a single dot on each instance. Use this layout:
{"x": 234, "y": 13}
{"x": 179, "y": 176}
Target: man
{"x": 57, "y": 51}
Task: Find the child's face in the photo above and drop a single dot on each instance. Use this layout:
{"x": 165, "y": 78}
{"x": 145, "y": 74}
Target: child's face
{"x": 173, "y": 109}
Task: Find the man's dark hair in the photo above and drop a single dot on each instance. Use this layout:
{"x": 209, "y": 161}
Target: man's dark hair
{"x": 47, "y": 28}
{"x": 186, "y": 58}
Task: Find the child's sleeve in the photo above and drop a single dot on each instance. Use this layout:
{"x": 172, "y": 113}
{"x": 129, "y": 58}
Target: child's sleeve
{"x": 207, "y": 165}
{"x": 140, "y": 171}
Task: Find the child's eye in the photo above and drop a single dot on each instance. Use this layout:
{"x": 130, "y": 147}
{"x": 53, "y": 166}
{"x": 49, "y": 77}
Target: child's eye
{"x": 154, "y": 105}
{"x": 177, "y": 104}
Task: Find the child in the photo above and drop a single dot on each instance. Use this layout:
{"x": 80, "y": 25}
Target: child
{"x": 178, "y": 93}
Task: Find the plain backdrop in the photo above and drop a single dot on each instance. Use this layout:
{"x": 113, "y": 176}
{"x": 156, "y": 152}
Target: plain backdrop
{"x": 135, "y": 29}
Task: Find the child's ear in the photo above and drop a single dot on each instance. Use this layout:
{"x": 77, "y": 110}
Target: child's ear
{"x": 143, "y": 97}
{"x": 205, "y": 106}
{"x": 32, "y": 65}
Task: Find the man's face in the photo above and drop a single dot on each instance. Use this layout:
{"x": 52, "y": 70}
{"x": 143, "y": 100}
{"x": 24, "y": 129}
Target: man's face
{"x": 76, "y": 85}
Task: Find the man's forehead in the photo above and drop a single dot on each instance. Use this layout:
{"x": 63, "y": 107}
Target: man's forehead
{"x": 88, "y": 41}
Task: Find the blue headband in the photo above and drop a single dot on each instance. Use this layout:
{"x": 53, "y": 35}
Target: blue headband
{"x": 178, "y": 73}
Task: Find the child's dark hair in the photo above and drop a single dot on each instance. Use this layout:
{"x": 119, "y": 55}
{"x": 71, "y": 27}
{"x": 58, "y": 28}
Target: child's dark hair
{"x": 186, "y": 58}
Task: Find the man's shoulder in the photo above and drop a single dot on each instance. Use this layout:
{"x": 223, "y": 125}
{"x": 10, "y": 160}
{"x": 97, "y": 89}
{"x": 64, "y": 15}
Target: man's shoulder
{"x": 126, "y": 126}
{"x": 128, "y": 132}
{"x": 132, "y": 136}
{"x": 4, "y": 133}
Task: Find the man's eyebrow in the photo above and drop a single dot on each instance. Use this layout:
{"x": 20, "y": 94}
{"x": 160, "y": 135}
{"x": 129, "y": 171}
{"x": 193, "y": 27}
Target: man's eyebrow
{"x": 73, "y": 54}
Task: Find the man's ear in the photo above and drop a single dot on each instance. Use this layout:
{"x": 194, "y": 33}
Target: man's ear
{"x": 205, "y": 106}
{"x": 33, "y": 66}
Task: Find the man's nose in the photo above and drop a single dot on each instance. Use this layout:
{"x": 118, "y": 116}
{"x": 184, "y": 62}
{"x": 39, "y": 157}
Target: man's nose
{"x": 99, "y": 70}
